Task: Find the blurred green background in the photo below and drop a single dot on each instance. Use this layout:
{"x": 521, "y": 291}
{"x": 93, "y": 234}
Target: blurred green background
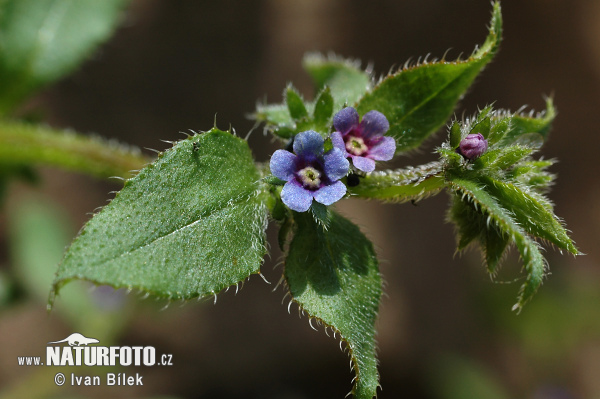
{"x": 445, "y": 330}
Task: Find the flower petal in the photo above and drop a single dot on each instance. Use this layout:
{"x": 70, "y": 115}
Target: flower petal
{"x": 374, "y": 124}
{"x": 336, "y": 165}
{"x": 309, "y": 143}
{"x": 384, "y": 150}
{"x": 345, "y": 120}
{"x": 283, "y": 164}
{"x": 364, "y": 164}
{"x": 338, "y": 142}
{"x": 327, "y": 195}
{"x": 296, "y": 197}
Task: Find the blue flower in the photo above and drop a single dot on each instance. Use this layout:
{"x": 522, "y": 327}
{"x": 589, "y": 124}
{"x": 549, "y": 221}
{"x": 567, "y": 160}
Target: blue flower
{"x": 310, "y": 173}
{"x": 364, "y": 142}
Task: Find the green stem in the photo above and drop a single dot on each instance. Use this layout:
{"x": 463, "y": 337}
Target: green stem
{"x": 401, "y": 185}
{"x": 27, "y": 144}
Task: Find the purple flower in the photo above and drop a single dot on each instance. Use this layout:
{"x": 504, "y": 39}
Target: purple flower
{"x": 473, "y": 146}
{"x": 310, "y": 173}
{"x": 363, "y": 141}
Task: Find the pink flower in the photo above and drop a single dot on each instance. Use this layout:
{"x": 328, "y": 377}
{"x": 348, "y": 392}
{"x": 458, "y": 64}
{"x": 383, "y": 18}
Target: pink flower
{"x": 473, "y": 146}
{"x": 363, "y": 141}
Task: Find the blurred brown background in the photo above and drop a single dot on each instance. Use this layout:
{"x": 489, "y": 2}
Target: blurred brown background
{"x": 174, "y": 65}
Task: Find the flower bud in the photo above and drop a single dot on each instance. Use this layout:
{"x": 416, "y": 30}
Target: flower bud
{"x": 473, "y": 146}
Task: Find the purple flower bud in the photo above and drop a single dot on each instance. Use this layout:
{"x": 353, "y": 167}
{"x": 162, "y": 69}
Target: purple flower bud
{"x": 363, "y": 141}
{"x": 473, "y": 146}
{"x": 310, "y": 173}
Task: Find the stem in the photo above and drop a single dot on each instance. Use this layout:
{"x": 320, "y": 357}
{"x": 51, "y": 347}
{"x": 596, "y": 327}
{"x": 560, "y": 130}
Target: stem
{"x": 401, "y": 185}
{"x": 26, "y": 144}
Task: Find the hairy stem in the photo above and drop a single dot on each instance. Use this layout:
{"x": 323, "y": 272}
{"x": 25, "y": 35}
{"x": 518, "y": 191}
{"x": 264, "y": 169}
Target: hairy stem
{"x": 27, "y": 144}
{"x": 401, "y": 185}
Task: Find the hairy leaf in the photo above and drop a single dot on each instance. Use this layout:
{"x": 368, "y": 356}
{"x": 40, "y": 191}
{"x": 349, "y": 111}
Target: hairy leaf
{"x": 502, "y": 158}
{"x": 323, "y": 110}
{"x": 533, "y": 174}
{"x": 344, "y": 77}
{"x": 533, "y": 212}
{"x": 493, "y": 213}
{"x": 523, "y": 124}
{"x": 418, "y": 100}
{"x": 295, "y": 104}
{"x": 273, "y": 114}
{"x": 188, "y": 225}
{"x": 472, "y": 225}
{"x": 334, "y": 276}
{"x": 42, "y": 40}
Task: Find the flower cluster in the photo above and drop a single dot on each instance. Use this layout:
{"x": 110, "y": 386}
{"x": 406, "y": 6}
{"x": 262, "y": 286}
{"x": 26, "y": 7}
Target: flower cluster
{"x": 311, "y": 173}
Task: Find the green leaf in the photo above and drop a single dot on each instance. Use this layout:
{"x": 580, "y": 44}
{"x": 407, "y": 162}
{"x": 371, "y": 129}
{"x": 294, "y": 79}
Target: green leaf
{"x": 472, "y": 225}
{"x": 495, "y": 243}
{"x": 333, "y": 275}
{"x": 492, "y": 212}
{"x": 298, "y": 115}
{"x": 532, "y": 123}
{"x": 455, "y": 135}
{"x": 188, "y": 225}
{"x": 273, "y": 114}
{"x": 418, "y": 100}
{"x": 467, "y": 221}
{"x": 323, "y": 110}
{"x": 43, "y": 40}
{"x": 502, "y": 158}
{"x": 533, "y": 174}
{"x": 321, "y": 214}
{"x": 279, "y": 122}
{"x": 482, "y": 127}
{"x": 338, "y": 82}
{"x": 348, "y": 83}
{"x": 401, "y": 185}
{"x": 533, "y": 212}
{"x": 295, "y": 104}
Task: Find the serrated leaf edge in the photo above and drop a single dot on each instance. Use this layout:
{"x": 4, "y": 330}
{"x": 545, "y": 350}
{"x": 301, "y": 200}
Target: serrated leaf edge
{"x": 528, "y": 248}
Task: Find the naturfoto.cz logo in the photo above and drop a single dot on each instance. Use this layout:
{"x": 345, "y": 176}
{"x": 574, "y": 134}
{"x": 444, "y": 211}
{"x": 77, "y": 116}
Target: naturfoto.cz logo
{"x": 82, "y": 351}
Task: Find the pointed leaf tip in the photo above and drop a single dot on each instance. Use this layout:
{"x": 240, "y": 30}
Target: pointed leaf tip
{"x": 418, "y": 100}
{"x": 333, "y": 275}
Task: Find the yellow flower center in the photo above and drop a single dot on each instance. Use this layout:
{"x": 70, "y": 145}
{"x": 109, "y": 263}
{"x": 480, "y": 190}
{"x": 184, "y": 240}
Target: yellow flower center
{"x": 356, "y": 145}
{"x": 310, "y": 177}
